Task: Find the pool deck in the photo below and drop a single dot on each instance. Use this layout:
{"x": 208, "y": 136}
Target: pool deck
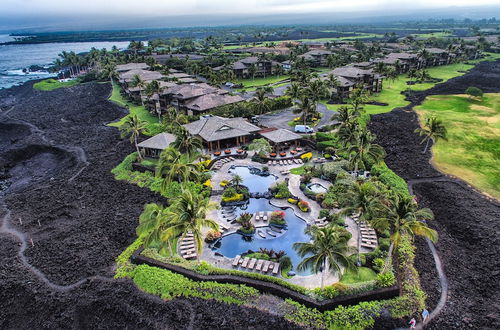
{"x": 310, "y": 281}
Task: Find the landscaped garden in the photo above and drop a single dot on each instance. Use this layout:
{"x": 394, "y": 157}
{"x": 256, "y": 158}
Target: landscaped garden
{"x": 51, "y": 84}
{"x": 473, "y": 129}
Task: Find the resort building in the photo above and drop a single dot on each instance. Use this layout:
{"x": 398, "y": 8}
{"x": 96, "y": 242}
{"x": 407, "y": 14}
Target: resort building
{"x": 145, "y": 75}
{"x": 194, "y": 98}
{"x": 403, "y": 62}
{"x": 370, "y": 80}
{"x": 280, "y": 139}
{"x": 219, "y": 133}
{"x": 131, "y": 66}
{"x": 243, "y": 67}
{"x": 153, "y": 146}
{"x": 317, "y": 57}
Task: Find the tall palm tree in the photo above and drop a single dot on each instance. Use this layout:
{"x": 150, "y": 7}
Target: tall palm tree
{"x": 188, "y": 215}
{"x": 359, "y": 97}
{"x": 261, "y": 100}
{"x": 174, "y": 165}
{"x": 187, "y": 143}
{"x": 305, "y": 106}
{"x": 152, "y": 222}
{"x": 293, "y": 90}
{"x": 317, "y": 90}
{"x": 236, "y": 180}
{"x": 400, "y": 214}
{"x": 433, "y": 129}
{"x": 138, "y": 82}
{"x": 364, "y": 150}
{"x": 327, "y": 249}
{"x": 133, "y": 127}
{"x": 109, "y": 71}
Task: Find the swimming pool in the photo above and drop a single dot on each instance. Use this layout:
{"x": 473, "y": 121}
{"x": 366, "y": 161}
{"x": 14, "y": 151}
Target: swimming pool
{"x": 317, "y": 188}
{"x": 256, "y": 183}
{"x": 233, "y": 244}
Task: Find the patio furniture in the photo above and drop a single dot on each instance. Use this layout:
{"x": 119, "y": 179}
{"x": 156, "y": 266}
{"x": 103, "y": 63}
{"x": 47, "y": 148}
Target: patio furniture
{"x": 217, "y": 153}
{"x": 274, "y": 162}
{"x": 272, "y": 154}
{"x": 299, "y": 149}
{"x": 252, "y": 263}
{"x": 259, "y": 264}
{"x": 240, "y": 151}
{"x": 227, "y": 151}
{"x": 245, "y": 262}
{"x": 236, "y": 260}
{"x": 293, "y": 152}
{"x": 266, "y": 266}
{"x": 301, "y": 161}
{"x": 276, "y": 268}
{"x": 264, "y": 218}
{"x": 283, "y": 154}
{"x": 270, "y": 162}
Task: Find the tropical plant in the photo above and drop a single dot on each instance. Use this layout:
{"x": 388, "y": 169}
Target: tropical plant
{"x": 474, "y": 92}
{"x": 327, "y": 249}
{"x": 186, "y": 143}
{"x": 152, "y": 222}
{"x": 133, "y": 127}
{"x": 363, "y": 150}
{"x": 138, "y": 82}
{"x": 293, "y": 90}
{"x": 261, "y": 146}
{"x": 174, "y": 165}
{"x": 433, "y": 129}
{"x": 187, "y": 215}
{"x": 306, "y": 107}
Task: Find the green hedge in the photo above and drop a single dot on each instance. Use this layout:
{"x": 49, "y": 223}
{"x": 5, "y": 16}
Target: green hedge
{"x": 391, "y": 179}
{"x": 168, "y": 285}
{"x": 123, "y": 264}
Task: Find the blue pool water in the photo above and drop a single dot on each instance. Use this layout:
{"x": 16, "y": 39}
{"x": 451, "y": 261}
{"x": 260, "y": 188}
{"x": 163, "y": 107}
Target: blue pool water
{"x": 233, "y": 244}
{"x": 255, "y": 183}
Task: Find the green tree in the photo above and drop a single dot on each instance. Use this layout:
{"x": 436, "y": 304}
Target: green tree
{"x": 174, "y": 165}
{"x": 252, "y": 70}
{"x": 261, "y": 101}
{"x": 363, "y": 150}
{"x": 327, "y": 249}
{"x": 293, "y": 90}
{"x": 474, "y": 92}
{"x": 261, "y": 147}
{"x": 433, "y": 129}
{"x": 188, "y": 215}
{"x": 306, "y": 107}
{"x": 138, "y": 82}
{"x": 152, "y": 222}
{"x": 186, "y": 143}
{"x": 133, "y": 127}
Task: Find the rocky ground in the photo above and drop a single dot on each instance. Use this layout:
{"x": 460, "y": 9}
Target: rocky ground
{"x": 64, "y": 219}
{"x": 467, "y": 222}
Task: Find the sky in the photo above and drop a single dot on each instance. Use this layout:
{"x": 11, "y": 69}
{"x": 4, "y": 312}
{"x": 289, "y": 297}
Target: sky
{"x": 209, "y": 7}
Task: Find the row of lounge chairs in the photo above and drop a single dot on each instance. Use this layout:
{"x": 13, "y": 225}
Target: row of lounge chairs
{"x": 263, "y": 266}
{"x": 319, "y": 160}
{"x": 228, "y": 213}
{"x": 261, "y": 216}
{"x": 321, "y": 222}
{"x": 218, "y": 164}
{"x": 187, "y": 247}
{"x": 368, "y": 235}
{"x": 360, "y": 174}
{"x": 285, "y": 162}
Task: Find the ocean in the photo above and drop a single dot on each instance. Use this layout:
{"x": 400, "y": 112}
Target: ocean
{"x": 14, "y": 58}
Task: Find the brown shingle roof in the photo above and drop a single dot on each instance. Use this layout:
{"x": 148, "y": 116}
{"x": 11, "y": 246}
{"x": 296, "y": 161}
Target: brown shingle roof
{"x": 160, "y": 141}
{"x": 280, "y": 135}
{"x": 145, "y": 75}
{"x": 218, "y": 128}
{"x": 131, "y": 66}
{"x": 210, "y": 101}
{"x": 351, "y": 72}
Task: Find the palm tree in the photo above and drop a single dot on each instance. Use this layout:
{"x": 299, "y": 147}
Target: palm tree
{"x": 110, "y": 72}
{"x": 433, "y": 130}
{"x": 400, "y": 214}
{"x": 252, "y": 69}
{"x": 293, "y": 90}
{"x": 317, "y": 90}
{"x": 138, "y": 82}
{"x": 306, "y": 107}
{"x": 363, "y": 150}
{"x": 174, "y": 165}
{"x": 359, "y": 97}
{"x": 327, "y": 249}
{"x": 187, "y": 215}
{"x": 236, "y": 181}
{"x": 133, "y": 127}
{"x": 261, "y": 100}
{"x": 187, "y": 143}
{"x": 152, "y": 222}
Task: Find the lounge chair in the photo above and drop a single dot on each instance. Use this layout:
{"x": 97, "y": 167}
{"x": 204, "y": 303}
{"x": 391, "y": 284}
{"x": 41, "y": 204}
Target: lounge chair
{"x": 190, "y": 256}
{"x": 245, "y": 262}
{"x": 269, "y": 162}
{"x": 265, "y": 268}
{"x": 368, "y": 246}
{"x": 274, "y": 162}
{"x": 252, "y": 263}
{"x": 301, "y": 161}
{"x": 264, "y": 218}
{"x": 290, "y": 162}
{"x": 259, "y": 265}
{"x": 236, "y": 260}
{"x": 276, "y": 268}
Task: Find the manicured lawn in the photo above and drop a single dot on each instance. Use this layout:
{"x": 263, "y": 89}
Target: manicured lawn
{"x": 441, "y": 34}
{"x": 51, "y": 84}
{"x": 363, "y": 274}
{"x": 139, "y": 110}
{"x": 359, "y": 36}
{"x": 473, "y": 147}
{"x": 149, "y": 162}
{"x": 297, "y": 170}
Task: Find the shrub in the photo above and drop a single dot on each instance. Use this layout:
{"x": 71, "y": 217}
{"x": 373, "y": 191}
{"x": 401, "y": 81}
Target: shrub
{"x": 123, "y": 264}
{"x": 359, "y": 316}
{"x": 292, "y": 201}
{"x": 320, "y": 197}
{"x": 306, "y": 157}
{"x": 308, "y": 317}
{"x": 304, "y": 206}
{"x": 208, "y": 184}
{"x": 474, "y": 92}
{"x": 378, "y": 263}
{"x": 234, "y": 198}
{"x": 333, "y": 169}
{"x": 328, "y": 292}
{"x": 285, "y": 262}
{"x": 391, "y": 179}
{"x": 329, "y": 203}
{"x": 223, "y": 183}
{"x": 386, "y": 279}
{"x": 277, "y": 218}
{"x": 212, "y": 235}
{"x": 258, "y": 255}
{"x": 281, "y": 190}
{"x": 324, "y": 213}
{"x": 384, "y": 244}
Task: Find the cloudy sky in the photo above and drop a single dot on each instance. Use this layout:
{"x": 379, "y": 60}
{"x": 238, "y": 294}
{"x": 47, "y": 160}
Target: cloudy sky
{"x": 199, "y": 7}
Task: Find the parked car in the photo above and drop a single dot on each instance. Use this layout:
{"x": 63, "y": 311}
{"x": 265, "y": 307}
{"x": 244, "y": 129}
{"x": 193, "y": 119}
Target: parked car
{"x": 303, "y": 129}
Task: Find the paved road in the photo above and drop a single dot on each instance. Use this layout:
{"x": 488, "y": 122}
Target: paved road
{"x": 282, "y": 118}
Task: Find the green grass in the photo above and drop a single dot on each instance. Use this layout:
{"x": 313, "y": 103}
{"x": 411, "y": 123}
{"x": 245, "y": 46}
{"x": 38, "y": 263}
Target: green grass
{"x": 298, "y": 170}
{"x": 441, "y": 34}
{"x": 391, "y": 91}
{"x": 472, "y": 151}
{"x": 149, "y": 162}
{"x": 51, "y": 84}
{"x": 261, "y": 81}
{"x": 360, "y": 36}
{"x": 142, "y": 113}
{"x": 363, "y": 274}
